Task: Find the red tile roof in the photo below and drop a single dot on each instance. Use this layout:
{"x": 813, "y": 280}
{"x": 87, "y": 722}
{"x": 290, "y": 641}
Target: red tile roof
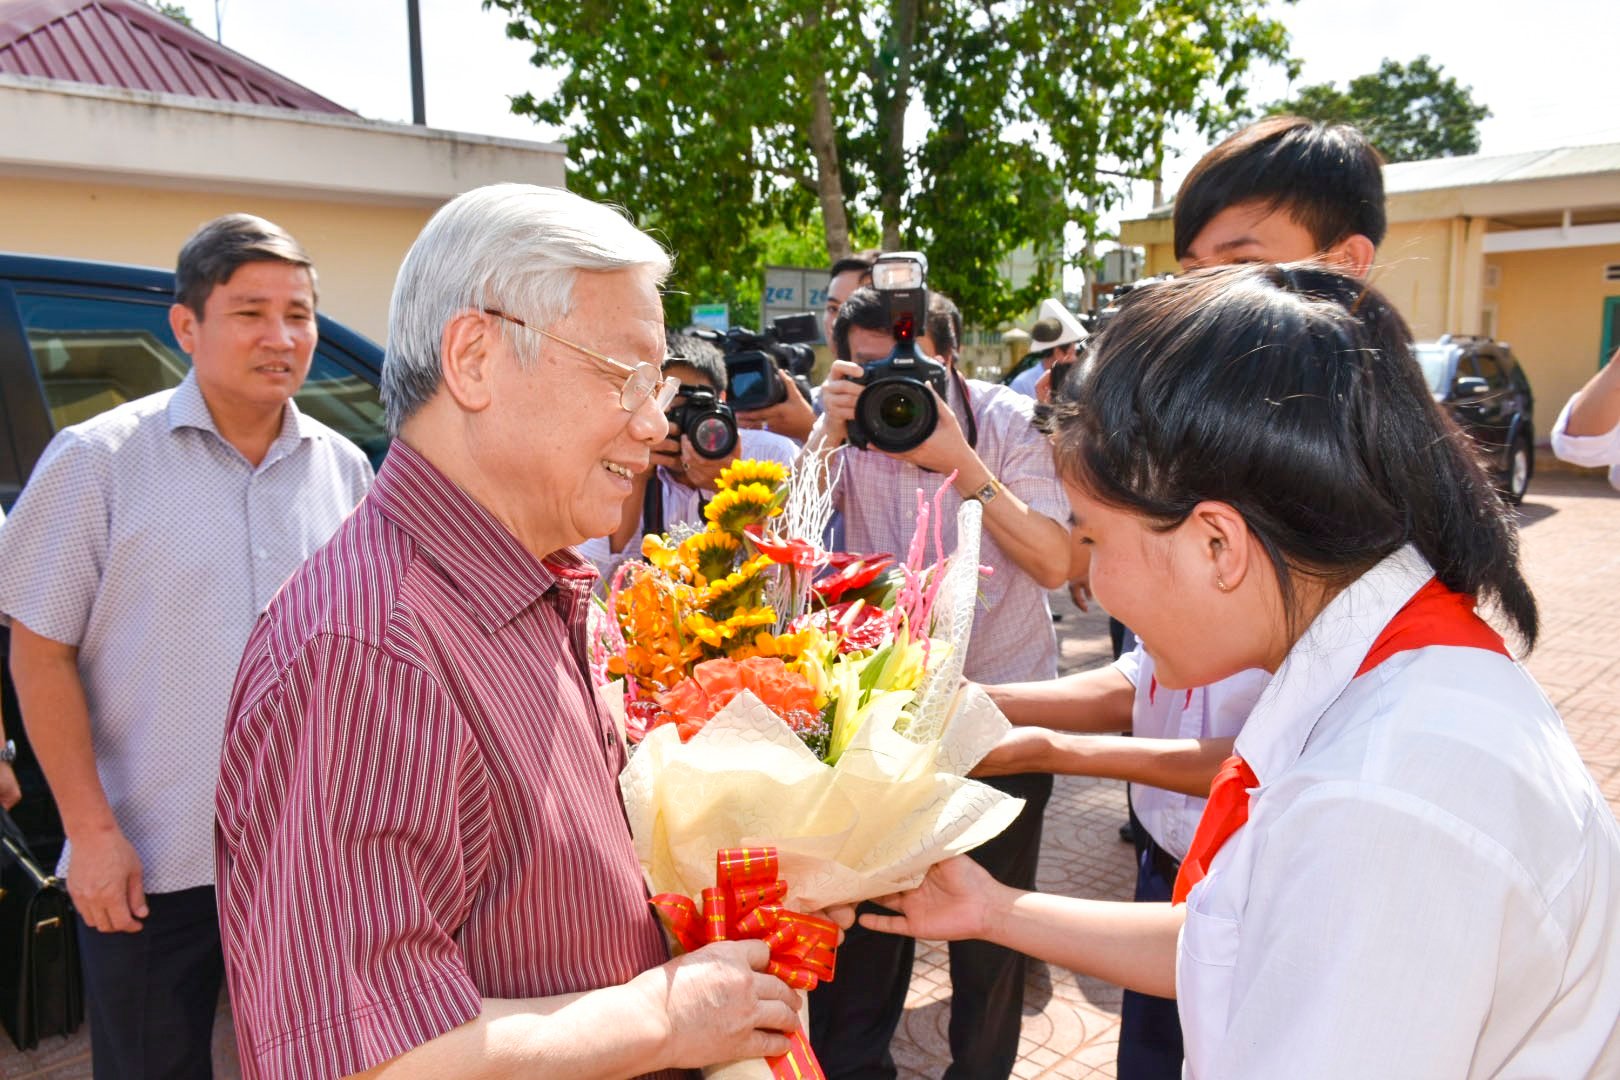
{"x": 125, "y": 43}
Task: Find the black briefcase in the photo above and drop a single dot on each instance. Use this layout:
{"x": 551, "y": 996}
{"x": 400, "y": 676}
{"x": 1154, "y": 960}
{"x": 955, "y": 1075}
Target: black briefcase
{"x": 41, "y": 989}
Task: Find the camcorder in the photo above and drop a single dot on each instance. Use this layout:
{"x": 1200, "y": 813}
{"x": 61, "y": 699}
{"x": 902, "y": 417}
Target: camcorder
{"x": 895, "y": 412}
{"x": 706, "y": 421}
{"x": 758, "y": 366}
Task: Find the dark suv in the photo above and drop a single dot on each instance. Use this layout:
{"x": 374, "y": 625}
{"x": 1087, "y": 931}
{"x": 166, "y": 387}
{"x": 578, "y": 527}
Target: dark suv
{"x": 78, "y": 338}
{"x": 1482, "y": 386}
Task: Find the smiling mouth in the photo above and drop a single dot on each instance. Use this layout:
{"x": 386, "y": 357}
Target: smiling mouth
{"x": 275, "y": 369}
{"x": 617, "y": 469}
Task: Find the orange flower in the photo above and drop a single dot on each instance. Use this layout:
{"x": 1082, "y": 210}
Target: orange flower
{"x": 714, "y": 683}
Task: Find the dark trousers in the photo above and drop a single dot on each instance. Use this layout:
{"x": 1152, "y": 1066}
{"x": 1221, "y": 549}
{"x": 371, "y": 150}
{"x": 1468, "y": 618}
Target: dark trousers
{"x": 853, "y": 1018}
{"x": 151, "y": 996}
{"x": 1150, "y": 1027}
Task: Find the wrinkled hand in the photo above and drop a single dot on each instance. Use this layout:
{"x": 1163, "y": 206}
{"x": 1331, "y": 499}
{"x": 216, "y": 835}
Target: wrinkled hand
{"x": 10, "y": 790}
{"x": 1021, "y": 750}
{"x": 838, "y": 396}
{"x": 104, "y": 879}
{"x": 840, "y": 915}
{"x": 957, "y": 900}
{"x": 793, "y": 416}
{"x": 945, "y": 450}
{"x": 717, "y": 1004}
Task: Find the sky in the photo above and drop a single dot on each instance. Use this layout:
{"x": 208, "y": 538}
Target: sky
{"x": 1545, "y": 70}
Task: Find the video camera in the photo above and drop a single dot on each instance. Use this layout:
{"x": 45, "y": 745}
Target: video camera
{"x": 759, "y": 365}
{"x": 706, "y": 421}
{"x": 895, "y": 412}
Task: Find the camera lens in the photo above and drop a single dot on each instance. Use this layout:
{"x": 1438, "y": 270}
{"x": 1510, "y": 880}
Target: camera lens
{"x": 713, "y": 436}
{"x": 897, "y": 414}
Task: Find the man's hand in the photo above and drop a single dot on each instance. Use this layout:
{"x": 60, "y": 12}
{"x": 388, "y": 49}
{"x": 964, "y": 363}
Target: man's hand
{"x": 700, "y": 472}
{"x": 838, "y": 396}
{"x": 957, "y": 900}
{"x": 717, "y": 1004}
{"x": 946, "y": 449}
{"x": 10, "y": 790}
{"x": 793, "y": 416}
{"x": 104, "y": 879}
{"x": 1021, "y": 750}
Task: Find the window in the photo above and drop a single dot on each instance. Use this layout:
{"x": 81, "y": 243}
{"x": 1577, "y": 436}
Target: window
{"x": 94, "y": 353}
{"x": 1490, "y": 368}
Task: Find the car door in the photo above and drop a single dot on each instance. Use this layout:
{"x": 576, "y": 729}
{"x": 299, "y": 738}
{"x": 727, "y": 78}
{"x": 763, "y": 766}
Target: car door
{"x": 1496, "y": 407}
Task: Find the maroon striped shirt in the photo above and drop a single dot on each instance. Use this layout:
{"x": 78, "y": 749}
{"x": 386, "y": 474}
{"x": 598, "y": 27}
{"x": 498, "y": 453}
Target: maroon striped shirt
{"x": 418, "y": 801}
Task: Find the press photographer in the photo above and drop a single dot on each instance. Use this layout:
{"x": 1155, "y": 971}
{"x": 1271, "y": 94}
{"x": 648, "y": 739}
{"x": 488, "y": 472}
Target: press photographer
{"x": 704, "y": 438}
{"x": 896, "y": 382}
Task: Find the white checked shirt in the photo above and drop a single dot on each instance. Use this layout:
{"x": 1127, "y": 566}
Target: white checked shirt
{"x": 1013, "y": 639}
{"x": 1428, "y": 884}
{"x": 1209, "y": 712}
{"x": 149, "y": 543}
{"x": 1590, "y": 450}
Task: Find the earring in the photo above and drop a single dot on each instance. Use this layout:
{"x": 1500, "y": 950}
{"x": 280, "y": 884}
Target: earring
{"x": 1221, "y": 584}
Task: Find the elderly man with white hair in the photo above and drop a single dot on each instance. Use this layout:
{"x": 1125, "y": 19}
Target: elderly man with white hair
{"x": 424, "y": 867}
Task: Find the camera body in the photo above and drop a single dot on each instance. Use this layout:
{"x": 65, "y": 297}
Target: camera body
{"x": 759, "y": 365}
{"x": 895, "y": 412}
{"x": 706, "y": 421}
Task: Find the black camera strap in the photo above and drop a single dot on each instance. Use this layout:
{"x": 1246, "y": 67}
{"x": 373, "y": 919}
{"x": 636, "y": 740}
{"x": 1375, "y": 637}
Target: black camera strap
{"x": 652, "y": 506}
{"x": 967, "y": 403}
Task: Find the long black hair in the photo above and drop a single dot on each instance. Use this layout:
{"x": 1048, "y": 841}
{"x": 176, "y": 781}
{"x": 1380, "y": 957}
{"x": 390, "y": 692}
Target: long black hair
{"x": 1291, "y": 394}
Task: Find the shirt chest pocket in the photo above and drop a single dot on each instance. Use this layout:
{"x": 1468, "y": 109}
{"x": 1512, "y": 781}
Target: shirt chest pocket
{"x": 1205, "y": 957}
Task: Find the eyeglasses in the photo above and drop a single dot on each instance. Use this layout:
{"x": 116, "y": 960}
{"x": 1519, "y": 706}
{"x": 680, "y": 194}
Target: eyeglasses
{"x": 643, "y": 381}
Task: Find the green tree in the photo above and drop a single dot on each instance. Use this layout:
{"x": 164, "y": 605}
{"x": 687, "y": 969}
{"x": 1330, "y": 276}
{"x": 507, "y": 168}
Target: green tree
{"x": 176, "y": 12}
{"x": 1409, "y": 111}
{"x": 964, "y": 128}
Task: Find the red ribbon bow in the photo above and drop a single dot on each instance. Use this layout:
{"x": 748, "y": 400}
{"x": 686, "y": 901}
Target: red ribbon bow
{"x": 746, "y": 902}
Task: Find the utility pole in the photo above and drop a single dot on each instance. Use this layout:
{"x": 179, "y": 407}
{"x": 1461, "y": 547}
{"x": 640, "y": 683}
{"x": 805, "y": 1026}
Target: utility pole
{"x": 413, "y": 13}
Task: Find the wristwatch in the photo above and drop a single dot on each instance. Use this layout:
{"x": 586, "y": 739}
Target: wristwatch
{"x": 985, "y": 495}
{"x": 8, "y": 753}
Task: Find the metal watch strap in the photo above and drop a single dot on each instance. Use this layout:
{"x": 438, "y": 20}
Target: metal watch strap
{"x": 985, "y": 495}
{"x": 8, "y": 752}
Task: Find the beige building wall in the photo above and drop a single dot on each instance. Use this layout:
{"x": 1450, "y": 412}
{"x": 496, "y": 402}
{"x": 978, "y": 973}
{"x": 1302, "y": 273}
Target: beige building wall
{"x": 357, "y": 247}
{"x": 1549, "y": 307}
{"x": 1414, "y": 270}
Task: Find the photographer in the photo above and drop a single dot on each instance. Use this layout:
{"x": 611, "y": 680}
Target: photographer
{"x": 984, "y": 434}
{"x": 678, "y": 480}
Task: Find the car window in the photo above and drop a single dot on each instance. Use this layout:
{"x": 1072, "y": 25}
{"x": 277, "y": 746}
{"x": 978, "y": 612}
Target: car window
{"x": 1435, "y": 360}
{"x": 1491, "y": 370}
{"x": 96, "y": 352}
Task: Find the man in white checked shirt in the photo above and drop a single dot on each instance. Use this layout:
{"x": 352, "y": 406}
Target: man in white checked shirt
{"x": 986, "y": 437}
{"x": 132, "y": 568}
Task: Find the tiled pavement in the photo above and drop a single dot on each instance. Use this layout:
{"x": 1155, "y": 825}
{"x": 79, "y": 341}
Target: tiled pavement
{"x": 1571, "y": 542}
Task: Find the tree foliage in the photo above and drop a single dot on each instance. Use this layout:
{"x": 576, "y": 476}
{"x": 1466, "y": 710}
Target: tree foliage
{"x": 177, "y": 12}
{"x": 1409, "y": 111}
{"x": 963, "y": 128}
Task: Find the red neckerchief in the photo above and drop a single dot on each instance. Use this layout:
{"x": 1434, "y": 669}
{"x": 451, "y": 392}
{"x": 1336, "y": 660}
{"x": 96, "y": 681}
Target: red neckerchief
{"x": 1435, "y": 616}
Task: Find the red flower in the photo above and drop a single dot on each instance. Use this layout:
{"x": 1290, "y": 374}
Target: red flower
{"x": 855, "y": 572}
{"x": 857, "y": 625}
{"x": 797, "y": 553}
{"x": 713, "y": 684}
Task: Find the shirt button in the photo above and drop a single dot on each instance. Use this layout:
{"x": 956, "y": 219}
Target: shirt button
{"x": 260, "y": 553}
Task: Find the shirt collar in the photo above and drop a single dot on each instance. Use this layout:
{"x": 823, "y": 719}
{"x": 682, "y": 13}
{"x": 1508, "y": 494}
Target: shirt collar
{"x": 1323, "y": 661}
{"x": 495, "y": 575}
{"x": 188, "y": 409}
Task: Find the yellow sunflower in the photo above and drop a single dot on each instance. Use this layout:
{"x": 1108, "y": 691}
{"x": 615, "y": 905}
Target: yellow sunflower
{"x": 710, "y": 553}
{"x": 736, "y": 508}
{"x": 749, "y": 471}
{"x": 739, "y": 589}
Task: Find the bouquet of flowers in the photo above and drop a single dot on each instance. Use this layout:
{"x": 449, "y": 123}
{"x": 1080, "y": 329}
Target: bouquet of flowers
{"x": 782, "y": 696}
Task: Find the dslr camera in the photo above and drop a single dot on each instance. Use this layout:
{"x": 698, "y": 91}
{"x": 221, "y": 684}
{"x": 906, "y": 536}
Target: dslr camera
{"x": 758, "y": 366}
{"x": 895, "y": 411}
{"x": 706, "y": 421}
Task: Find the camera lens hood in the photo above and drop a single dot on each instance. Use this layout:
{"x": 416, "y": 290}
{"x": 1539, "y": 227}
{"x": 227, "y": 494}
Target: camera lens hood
{"x": 896, "y": 413}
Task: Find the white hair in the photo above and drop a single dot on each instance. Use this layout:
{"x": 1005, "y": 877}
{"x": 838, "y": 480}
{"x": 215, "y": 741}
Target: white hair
{"x": 514, "y": 247}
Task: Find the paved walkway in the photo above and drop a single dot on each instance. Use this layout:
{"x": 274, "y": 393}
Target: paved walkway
{"x": 1572, "y": 556}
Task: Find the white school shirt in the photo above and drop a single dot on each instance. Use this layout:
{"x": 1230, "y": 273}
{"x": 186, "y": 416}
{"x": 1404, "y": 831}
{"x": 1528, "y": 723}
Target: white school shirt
{"x": 1590, "y": 450}
{"x": 1209, "y": 712}
{"x": 1428, "y": 884}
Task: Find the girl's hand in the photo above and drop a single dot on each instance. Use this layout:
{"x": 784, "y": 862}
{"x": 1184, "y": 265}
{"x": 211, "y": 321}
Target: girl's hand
{"x": 957, "y": 900}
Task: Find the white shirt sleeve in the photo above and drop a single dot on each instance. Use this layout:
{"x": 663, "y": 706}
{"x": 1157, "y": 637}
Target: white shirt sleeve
{"x": 54, "y": 546}
{"x": 1588, "y": 450}
{"x": 1373, "y": 942}
{"x": 1129, "y": 664}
